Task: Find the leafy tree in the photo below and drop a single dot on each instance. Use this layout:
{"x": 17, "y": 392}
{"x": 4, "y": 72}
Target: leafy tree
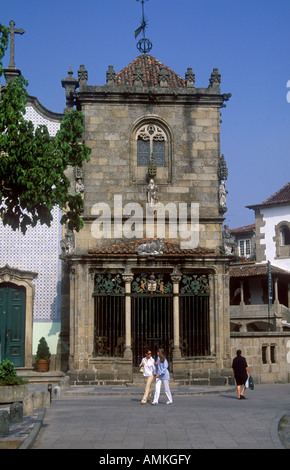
{"x": 33, "y": 164}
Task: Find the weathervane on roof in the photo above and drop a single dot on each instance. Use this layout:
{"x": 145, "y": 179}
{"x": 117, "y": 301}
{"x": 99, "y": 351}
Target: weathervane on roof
{"x": 143, "y": 45}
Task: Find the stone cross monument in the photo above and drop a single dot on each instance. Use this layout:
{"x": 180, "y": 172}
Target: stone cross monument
{"x": 11, "y": 71}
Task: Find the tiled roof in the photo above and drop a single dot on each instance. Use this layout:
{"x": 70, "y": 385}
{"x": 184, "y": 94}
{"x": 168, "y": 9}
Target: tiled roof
{"x": 244, "y": 229}
{"x": 150, "y": 68}
{"x": 255, "y": 270}
{"x": 280, "y": 197}
{"x": 130, "y": 248}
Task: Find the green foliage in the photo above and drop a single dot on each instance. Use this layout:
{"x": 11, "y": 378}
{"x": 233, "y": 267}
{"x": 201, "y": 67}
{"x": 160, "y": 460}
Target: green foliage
{"x": 43, "y": 351}
{"x": 33, "y": 165}
{"x": 8, "y": 374}
{"x": 4, "y": 31}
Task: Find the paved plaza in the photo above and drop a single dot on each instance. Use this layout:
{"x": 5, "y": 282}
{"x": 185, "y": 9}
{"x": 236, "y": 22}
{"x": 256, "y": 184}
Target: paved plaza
{"x": 99, "y": 418}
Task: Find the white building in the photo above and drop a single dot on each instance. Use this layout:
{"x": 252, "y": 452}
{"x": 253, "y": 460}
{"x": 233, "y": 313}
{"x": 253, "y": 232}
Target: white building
{"x": 259, "y": 296}
{"x": 273, "y": 229}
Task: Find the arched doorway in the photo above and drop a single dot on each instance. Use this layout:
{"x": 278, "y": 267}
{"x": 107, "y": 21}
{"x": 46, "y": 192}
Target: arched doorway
{"x": 16, "y": 315}
{"x": 12, "y": 323}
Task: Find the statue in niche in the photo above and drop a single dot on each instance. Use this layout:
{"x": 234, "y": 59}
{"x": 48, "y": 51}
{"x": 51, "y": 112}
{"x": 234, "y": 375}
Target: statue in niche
{"x": 67, "y": 243}
{"x": 80, "y": 187}
{"x": 79, "y": 183}
{"x": 223, "y": 194}
{"x": 152, "y": 190}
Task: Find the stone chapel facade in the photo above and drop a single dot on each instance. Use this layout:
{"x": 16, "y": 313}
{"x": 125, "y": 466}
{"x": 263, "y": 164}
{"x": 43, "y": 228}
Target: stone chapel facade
{"x": 155, "y": 141}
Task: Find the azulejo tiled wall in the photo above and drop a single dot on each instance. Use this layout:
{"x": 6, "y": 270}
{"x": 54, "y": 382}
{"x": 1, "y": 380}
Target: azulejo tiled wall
{"x": 38, "y": 250}
{"x": 37, "y": 119}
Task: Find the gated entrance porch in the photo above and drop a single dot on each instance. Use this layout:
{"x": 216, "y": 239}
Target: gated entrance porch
{"x": 120, "y": 305}
{"x": 152, "y": 316}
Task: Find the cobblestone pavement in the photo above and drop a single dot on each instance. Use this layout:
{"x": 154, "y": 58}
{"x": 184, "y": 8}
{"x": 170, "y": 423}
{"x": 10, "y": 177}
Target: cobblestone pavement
{"x": 21, "y": 435}
{"x": 284, "y": 430}
{"x": 200, "y": 418}
{"x": 87, "y": 418}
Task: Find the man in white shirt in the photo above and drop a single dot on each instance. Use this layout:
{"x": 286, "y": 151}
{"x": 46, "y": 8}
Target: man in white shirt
{"x": 148, "y": 373}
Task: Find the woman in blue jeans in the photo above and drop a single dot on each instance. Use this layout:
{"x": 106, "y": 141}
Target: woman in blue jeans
{"x": 162, "y": 376}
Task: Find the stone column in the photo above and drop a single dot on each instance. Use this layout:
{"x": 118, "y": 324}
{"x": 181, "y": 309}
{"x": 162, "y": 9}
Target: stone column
{"x": 128, "y": 278}
{"x": 242, "y": 292}
{"x": 73, "y": 306}
{"x": 176, "y": 337}
{"x": 276, "y": 290}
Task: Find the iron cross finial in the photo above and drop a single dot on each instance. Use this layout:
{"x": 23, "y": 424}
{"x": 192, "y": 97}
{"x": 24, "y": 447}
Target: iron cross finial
{"x": 12, "y": 32}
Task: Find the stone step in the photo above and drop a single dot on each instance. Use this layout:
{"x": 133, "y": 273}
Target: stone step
{"x": 138, "y": 380}
{"x": 45, "y": 378}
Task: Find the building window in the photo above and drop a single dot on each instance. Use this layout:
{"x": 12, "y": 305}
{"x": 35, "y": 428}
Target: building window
{"x": 269, "y": 354}
{"x": 285, "y": 236}
{"x": 264, "y": 354}
{"x": 282, "y": 239}
{"x": 245, "y": 248}
{"x": 273, "y": 354}
{"x": 151, "y": 141}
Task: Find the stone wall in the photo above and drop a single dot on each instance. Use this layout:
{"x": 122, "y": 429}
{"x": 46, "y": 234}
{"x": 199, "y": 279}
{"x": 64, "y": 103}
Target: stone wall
{"x": 251, "y": 345}
{"x": 191, "y": 169}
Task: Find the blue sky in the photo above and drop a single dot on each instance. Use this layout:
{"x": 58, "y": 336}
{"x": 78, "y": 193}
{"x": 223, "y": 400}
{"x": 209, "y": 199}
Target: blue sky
{"x": 248, "y": 40}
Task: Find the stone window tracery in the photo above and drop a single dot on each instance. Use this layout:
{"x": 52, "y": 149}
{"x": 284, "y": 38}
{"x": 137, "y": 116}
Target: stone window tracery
{"x": 151, "y": 141}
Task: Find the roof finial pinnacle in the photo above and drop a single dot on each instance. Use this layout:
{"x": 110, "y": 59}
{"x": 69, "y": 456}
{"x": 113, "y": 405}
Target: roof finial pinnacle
{"x": 143, "y": 45}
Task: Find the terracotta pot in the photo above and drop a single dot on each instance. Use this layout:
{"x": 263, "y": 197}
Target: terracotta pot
{"x": 42, "y": 365}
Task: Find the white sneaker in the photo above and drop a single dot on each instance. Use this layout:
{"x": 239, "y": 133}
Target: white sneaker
{"x": 153, "y": 403}
{"x": 169, "y": 402}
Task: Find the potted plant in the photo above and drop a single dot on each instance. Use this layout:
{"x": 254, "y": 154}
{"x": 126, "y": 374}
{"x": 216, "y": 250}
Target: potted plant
{"x": 42, "y": 357}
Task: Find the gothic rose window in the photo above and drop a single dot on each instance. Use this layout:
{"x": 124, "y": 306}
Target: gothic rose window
{"x": 151, "y": 142}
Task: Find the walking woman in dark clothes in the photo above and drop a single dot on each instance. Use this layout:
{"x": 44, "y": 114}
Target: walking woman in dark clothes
{"x": 241, "y": 371}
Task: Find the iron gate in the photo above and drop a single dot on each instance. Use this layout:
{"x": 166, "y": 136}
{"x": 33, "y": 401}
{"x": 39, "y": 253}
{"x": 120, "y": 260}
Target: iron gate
{"x": 152, "y": 325}
{"x": 194, "y": 325}
{"x": 109, "y": 325}
{"x": 151, "y": 316}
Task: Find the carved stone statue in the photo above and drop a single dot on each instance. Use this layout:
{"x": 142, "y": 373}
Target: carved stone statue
{"x": 152, "y": 190}
{"x": 79, "y": 186}
{"x": 67, "y": 243}
{"x": 228, "y": 242}
{"x": 223, "y": 194}
{"x": 153, "y": 248}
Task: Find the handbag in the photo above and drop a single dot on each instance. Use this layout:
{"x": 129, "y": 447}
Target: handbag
{"x": 251, "y": 383}
{"x": 141, "y": 369}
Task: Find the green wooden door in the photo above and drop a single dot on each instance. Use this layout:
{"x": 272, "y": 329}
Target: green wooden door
{"x": 12, "y": 323}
